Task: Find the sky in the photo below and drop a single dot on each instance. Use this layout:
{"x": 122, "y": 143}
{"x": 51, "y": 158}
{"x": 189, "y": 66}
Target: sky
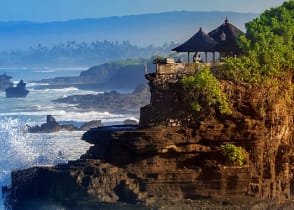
{"x": 60, "y": 10}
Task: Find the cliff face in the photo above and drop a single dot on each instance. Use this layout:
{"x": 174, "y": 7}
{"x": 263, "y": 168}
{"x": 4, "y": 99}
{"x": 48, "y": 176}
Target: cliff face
{"x": 262, "y": 123}
{"x": 174, "y": 158}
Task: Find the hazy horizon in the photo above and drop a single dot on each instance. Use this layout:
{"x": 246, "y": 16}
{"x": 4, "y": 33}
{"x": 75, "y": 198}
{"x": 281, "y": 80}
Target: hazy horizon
{"x": 63, "y": 10}
{"x": 118, "y": 16}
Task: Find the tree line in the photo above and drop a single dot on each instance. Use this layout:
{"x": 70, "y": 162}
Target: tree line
{"x": 81, "y": 53}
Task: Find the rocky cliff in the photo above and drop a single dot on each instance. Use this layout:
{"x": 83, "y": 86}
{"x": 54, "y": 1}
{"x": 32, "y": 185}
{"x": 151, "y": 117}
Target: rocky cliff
{"x": 174, "y": 158}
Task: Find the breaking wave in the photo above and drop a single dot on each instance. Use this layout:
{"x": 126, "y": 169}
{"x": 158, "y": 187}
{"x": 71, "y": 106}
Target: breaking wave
{"x": 62, "y": 115}
{"x": 16, "y": 147}
{"x": 20, "y": 149}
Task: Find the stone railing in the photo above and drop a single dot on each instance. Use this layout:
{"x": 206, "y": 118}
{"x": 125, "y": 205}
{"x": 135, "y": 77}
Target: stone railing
{"x": 170, "y": 67}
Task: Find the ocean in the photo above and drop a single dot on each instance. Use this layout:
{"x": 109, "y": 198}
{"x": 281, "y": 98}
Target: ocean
{"x": 20, "y": 149}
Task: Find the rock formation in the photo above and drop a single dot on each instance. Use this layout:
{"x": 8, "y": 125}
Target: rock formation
{"x": 174, "y": 159}
{"x": 52, "y": 126}
{"x": 112, "y": 101}
{"x": 19, "y": 91}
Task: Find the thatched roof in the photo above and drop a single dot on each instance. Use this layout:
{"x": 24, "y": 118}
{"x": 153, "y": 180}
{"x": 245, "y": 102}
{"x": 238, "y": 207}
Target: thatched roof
{"x": 226, "y": 36}
{"x": 200, "y": 42}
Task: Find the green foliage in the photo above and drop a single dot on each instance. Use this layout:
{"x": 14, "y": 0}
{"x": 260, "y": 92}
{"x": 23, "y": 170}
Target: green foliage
{"x": 204, "y": 84}
{"x": 233, "y": 153}
{"x": 268, "y": 46}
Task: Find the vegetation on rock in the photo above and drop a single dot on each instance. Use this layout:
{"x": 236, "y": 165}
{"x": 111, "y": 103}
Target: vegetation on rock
{"x": 233, "y": 153}
{"x": 204, "y": 85}
{"x": 268, "y": 54}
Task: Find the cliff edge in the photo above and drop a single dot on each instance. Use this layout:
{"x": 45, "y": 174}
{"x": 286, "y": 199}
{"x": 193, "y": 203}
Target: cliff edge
{"x": 174, "y": 158}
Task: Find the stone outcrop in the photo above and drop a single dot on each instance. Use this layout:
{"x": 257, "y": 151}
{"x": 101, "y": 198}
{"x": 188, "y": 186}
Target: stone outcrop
{"x": 168, "y": 104}
{"x": 174, "y": 160}
{"x": 114, "y": 102}
{"x": 19, "y": 91}
{"x": 52, "y": 125}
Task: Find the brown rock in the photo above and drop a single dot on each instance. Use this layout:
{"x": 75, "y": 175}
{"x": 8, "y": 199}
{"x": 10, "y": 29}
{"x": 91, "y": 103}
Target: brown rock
{"x": 174, "y": 159}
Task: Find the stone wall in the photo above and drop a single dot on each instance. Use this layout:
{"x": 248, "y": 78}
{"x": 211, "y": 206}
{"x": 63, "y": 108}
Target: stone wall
{"x": 168, "y": 105}
{"x": 170, "y": 68}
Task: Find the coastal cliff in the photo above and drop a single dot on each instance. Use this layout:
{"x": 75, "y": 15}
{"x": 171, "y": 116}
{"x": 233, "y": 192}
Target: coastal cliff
{"x": 174, "y": 158}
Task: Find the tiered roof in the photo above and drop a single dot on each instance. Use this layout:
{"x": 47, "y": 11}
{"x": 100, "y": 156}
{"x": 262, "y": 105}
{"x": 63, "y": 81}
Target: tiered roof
{"x": 200, "y": 42}
{"x": 221, "y": 39}
{"x": 226, "y": 35}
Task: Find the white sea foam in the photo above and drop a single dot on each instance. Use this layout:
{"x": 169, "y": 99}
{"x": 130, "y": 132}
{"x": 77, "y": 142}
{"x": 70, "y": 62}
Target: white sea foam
{"x": 33, "y": 84}
{"x": 16, "y": 150}
{"x": 45, "y": 71}
{"x": 20, "y": 149}
{"x": 59, "y": 89}
{"x": 68, "y": 90}
{"x": 62, "y": 115}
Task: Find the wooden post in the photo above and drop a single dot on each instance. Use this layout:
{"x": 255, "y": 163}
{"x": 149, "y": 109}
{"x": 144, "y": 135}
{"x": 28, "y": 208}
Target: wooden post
{"x": 205, "y": 56}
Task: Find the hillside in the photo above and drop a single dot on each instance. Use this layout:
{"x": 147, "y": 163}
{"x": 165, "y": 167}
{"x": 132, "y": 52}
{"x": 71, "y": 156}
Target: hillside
{"x": 119, "y": 74}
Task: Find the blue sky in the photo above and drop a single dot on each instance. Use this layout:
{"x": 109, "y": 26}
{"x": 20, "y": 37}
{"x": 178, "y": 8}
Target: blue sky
{"x": 54, "y": 10}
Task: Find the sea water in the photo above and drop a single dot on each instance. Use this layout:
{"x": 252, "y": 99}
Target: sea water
{"x": 20, "y": 149}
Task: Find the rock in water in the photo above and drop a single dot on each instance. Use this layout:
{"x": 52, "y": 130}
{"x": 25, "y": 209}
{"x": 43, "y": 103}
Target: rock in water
{"x": 52, "y": 126}
{"x": 19, "y": 91}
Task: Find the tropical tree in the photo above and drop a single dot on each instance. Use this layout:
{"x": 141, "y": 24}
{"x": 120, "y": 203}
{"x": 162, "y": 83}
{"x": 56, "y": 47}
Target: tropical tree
{"x": 268, "y": 46}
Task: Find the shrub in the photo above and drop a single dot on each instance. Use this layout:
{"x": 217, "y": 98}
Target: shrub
{"x": 204, "y": 85}
{"x": 233, "y": 153}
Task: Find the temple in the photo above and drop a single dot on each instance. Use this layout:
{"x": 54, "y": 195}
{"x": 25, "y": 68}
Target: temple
{"x": 169, "y": 74}
{"x": 222, "y": 40}
{"x": 226, "y": 37}
{"x": 200, "y": 42}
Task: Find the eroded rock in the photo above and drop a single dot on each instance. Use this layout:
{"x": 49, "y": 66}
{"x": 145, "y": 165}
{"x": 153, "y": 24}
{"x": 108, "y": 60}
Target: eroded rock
{"x": 52, "y": 126}
{"x": 159, "y": 165}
